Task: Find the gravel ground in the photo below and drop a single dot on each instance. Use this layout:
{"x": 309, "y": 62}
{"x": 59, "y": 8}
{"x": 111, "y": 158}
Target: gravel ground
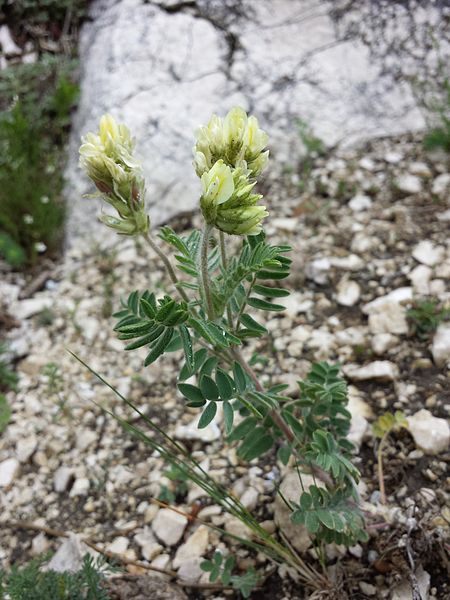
{"x": 370, "y": 236}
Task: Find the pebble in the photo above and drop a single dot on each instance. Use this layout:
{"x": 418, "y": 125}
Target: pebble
{"x": 408, "y": 184}
{"x": 194, "y": 547}
{"x": 119, "y": 545}
{"x": 62, "y": 479}
{"x": 382, "y": 342}
{"x": 250, "y": 498}
{"x": 9, "y": 470}
{"x": 441, "y": 185}
{"x": 348, "y": 292}
{"x": 420, "y": 279}
{"x": 428, "y": 253}
{"x": 383, "y": 370}
{"x": 431, "y": 434}
{"x": 25, "y": 448}
{"x": 32, "y": 306}
{"x": 441, "y": 345}
{"x": 360, "y": 202}
{"x": 169, "y": 526}
{"x": 388, "y": 317}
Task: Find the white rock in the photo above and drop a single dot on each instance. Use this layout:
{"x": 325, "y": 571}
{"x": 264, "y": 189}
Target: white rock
{"x": 236, "y": 527}
{"x": 441, "y": 345}
{"x": 408, "y": 184}
{"x": 360, "y": 202}
{"x": 250, "y": 498}
{"x": 40, "y": 544}
{"x": 190, "y": 570}
{"x": 318, "y": 270}
{"x": 119, "y": 545}
{"x": 291, "y": 489}
{"x": 428, "y": 253}
{"x": 25, "y": 448}
{"x": 285, "y": 224}
{"x": 85, "y": 437}
{"x": 420, "y": 169}
{"x": 147, "y": 541}
{"x": 444, "y": 215}
{"x": 403, "y": 590}
{"x": 367, "y": 163}
{"x": 62, "y": 478}
{"x": 420, "y": 279}
{"x": 192, "y": 432}
{"x": 80, "y": 487}
{"x": 69, "y": 556}
{"x": 390, "y": 317}
{"x": 381, "y": 342}
{"x": 352, "y": 336}
{"x": 400, "y": 296}
{"x": 169, "y": 526}
{"x": 9, "y": 469}
{"x": 362, "y": 242}
{"x": 32, "y": 306}
{"x": 393, "y": 157}
{"x": 352, "y": 262}
{"x": 379, "y": 369}
{"x": 441, "y": 185}
{"x": 7, "y": 44}
{"x": 348, "y": 292}
{"x": 431, "y": 434}
{"x": 194, "y": 547}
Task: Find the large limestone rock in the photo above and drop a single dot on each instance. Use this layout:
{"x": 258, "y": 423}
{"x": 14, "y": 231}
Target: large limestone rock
{"x": 163, "y": 67}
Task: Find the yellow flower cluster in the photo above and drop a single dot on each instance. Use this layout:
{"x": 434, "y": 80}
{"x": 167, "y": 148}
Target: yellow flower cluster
{"x": 228, "y": 155}
{"x": 107, "y": 157}
{"x": 236, "y": 139}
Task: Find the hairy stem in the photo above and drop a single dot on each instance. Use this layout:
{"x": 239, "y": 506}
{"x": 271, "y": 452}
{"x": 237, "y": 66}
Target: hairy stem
{"x": 167, "y": 265}
{"x": 206, "y": 282}
{"x": 223, "y": 254}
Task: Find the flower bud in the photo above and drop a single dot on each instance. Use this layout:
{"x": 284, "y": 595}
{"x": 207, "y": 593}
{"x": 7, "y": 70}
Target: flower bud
{"x": 236, "y": 139}
{"x": 108, "y": 160}
{"x": 228, "y": 202}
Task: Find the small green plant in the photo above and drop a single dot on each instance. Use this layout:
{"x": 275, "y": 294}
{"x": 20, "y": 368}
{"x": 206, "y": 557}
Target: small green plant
{"x": 5, "y": 413}
{"x": 221, "y": 570}
{"x": 36, "y": 101}
{"x": 30, "y": 582}
{"x": 179, "y": 480}
{"x": 55, "y": 388}
{"x": 211, "y": 315}
{"x": 438, "y": 137}
{"x": 8, "y": 377}
{"x": 425, "y": 316}
{"x": 381, "y": 429}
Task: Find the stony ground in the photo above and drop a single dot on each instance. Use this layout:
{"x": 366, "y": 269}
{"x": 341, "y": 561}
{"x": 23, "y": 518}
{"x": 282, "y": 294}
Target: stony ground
{"x": 369, "y": 230}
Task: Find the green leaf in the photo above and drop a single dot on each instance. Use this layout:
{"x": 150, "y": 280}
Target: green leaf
{"x": 241, "y": 430}
{"x": 270, "y": 292}
{"x": 264, "y": 305}
{"x": 225, "y": 384}
{"x": 251, "y": 324}
{"x": 284, "y": 454}
{"x": 239, "y": 378}
{"x": 326, "y": 518}
{"x": 5, "y": 412}
{"x": 208, "y": 415}
{"x": 312, "y": 522}
{"x": 305, "y": 501}
{"x": 191, "y": 392}
{"x": 208, "y": 366}
{"x": 159, "y": 347}
{"x": 228, "y": 415}
{"x": 259, "y": 442}
{"x": 155, "y": 332}
{"x": 209, "y": 387}
{"x": 187, "y": 346}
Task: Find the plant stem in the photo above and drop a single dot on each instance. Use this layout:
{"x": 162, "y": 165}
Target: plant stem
{"x": 380, "y": 469}
{"x": 167, "y": 265}
{"x": 223, "y": 254}
{"x": 206, "y": 282}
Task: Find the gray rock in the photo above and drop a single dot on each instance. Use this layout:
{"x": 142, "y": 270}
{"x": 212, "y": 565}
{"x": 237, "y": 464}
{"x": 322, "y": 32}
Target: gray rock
{"x": 431, "y": 434}
{"x": 62, "y": 479}
{"x": 441, "y": 185}
{"x": 164, "y": 70}
{"x": 169, "y": 526}
{"x": 441, "y": 345}
{"x": 389, "y": 317}
{"x": 403, "y": 591}
{"x": 69, "y": 556}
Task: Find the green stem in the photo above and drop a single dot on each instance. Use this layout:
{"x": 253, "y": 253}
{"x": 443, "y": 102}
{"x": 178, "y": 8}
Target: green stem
{"x": 206, "y": 282}
{"x": 167, "y": 265}
{"x": 223, "y": 254}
